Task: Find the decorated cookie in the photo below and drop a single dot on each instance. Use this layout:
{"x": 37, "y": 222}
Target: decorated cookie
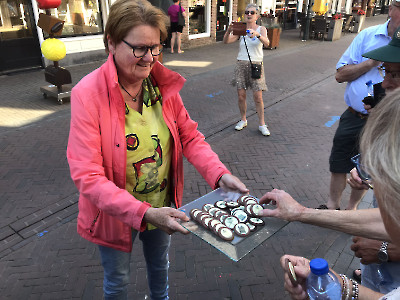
{"x": 241, "y": 229}
{"x": 256, "y": 221}
{"x": 241, "y": 215}
{"x": 221, "y": 204}
{"x": 231, "y": 221}
{"x": 225, "y": 234}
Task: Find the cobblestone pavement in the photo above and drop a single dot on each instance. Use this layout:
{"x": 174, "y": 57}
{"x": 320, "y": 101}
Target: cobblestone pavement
{"x": 41, "y": 255}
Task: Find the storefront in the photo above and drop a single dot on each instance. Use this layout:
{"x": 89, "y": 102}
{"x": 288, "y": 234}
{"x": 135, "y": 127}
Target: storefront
{"x": 21, "y": 38}
{"x": 223, "y": 18}
{"x": 82, "y": 34}
{"x": 18, "y": 36}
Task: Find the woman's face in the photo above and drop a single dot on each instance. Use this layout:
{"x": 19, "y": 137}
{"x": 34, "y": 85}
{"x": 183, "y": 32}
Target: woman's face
{"x": 130, "y": 68}
{"x": 251, "y": 15}
{"x": 392, "y": 227}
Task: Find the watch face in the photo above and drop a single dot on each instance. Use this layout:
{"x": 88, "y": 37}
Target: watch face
{"x": 383, "y": 256}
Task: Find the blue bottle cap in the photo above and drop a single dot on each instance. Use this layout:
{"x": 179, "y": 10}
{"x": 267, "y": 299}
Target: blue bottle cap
{"x": 369, "y": 82}
{"x": 248, "y": 30}
{"x": 319, "y": 266}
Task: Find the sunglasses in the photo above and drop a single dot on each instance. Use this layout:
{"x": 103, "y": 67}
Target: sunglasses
{"x": 356, "y": 160}
{"x": 249, "y": 12}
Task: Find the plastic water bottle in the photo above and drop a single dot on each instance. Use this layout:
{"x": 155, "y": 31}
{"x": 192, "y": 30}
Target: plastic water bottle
{"x": 382, "y": 276}
{"x": 370, "y": 87}
{"x": 249, "y": 35}
{"x": 322, "y": 284}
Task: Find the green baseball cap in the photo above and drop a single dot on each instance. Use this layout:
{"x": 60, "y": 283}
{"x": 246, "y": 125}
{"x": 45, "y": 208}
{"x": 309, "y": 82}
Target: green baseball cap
{"x": 389, "y": 53}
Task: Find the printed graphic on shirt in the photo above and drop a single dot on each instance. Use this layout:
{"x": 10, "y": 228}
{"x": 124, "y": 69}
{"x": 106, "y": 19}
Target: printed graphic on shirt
{"x": 132, "y": 142}
{"x": 146, "y": 170}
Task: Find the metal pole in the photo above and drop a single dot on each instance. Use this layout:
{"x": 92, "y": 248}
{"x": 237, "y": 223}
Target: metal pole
{"x": 306, "y": 33}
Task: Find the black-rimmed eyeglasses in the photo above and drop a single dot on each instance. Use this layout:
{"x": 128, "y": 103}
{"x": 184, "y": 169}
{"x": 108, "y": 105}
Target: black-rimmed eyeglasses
{"x": 140, "y": 51}
{"x": 365, "y": 178}
{"x": 249, "y": 12}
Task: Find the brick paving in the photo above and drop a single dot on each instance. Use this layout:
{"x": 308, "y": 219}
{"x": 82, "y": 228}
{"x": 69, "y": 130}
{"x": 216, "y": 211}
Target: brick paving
{"x": 41, "y": 255}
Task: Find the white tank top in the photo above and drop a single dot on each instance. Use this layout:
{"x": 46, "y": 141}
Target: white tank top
{"x": 255, "y": 48}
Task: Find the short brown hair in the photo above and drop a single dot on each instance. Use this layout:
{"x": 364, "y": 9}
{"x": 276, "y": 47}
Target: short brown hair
{"x": 127, "y": 14}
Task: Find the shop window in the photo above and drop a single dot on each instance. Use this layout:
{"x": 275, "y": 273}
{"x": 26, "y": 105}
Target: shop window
{"x": 15, "y": 20}
{"x": 81, "y": 17}
{"x": 199, "y": 17}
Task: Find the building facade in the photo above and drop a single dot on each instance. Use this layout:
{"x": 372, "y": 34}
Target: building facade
{"x": 207, "y": 22}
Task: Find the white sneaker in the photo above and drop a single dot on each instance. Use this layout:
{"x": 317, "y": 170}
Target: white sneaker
{"x": 240, "y": 125}
{"x": 264, "y": 130}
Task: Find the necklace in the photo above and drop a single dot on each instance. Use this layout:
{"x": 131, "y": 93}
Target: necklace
{"x": 134, "y": 99}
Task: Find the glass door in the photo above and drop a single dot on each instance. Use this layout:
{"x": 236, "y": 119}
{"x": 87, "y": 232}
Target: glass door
{"x": 222, "y": 18}
{"x": 20, "y": 47}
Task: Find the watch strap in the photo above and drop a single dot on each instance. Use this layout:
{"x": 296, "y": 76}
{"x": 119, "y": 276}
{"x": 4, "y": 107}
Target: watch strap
{"x": 384, "y": 246}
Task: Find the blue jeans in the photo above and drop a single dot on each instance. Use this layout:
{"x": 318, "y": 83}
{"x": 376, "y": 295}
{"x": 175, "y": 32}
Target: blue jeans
{"x": 116, "y": 265}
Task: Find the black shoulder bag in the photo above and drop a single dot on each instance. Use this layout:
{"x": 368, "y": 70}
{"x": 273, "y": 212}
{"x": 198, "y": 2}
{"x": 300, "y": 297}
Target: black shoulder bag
{"x": 181, "y": 18}
{"x": 255, "y": 68}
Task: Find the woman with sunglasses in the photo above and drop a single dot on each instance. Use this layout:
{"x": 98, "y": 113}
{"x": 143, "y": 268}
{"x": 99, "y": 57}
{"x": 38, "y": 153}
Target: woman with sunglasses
{"x": 254, "y": 40}
{"x": 380, "y": 164}
{"x": 128, "y": 134}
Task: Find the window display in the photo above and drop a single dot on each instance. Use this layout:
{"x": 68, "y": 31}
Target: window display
{"x": 198, "y": 16}
{"x": 15, "y": 21}
{"x": 81, "y": 17}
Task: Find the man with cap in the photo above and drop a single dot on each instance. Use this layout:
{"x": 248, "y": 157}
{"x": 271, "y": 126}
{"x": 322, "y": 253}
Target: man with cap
{"x": 365, "y": 222}
{"x": 376, "y": 272}
{"x": 356, "y": 71}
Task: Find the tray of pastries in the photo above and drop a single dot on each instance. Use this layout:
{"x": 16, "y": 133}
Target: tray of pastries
{"x": 229, "y": 222}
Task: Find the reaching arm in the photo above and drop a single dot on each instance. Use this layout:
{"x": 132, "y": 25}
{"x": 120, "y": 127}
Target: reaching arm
{"x": 352, "y": 72}
{"x": 368, "y": 249}
{"x": 349, "y": 221}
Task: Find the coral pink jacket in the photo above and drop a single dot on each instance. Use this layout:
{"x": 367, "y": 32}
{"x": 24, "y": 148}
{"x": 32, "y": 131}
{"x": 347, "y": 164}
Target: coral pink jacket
{"x": 97, "y": 154}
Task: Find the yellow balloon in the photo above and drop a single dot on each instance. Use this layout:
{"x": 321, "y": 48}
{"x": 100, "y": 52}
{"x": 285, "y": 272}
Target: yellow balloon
{"x": 53, "y": 49}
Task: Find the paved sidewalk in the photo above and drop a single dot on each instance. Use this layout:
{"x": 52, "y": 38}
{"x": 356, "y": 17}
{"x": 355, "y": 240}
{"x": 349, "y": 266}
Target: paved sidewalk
{"x": 42, "y": 257}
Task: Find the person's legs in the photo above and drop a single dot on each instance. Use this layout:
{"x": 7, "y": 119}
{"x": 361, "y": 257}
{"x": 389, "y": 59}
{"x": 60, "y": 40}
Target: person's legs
{"x": 173, "y": 38}
{"x": 155, "y": 248}
{"x": 178, "y": 41}
{"x": 242, "y": 103}
{"x": 338, "y": 184}
{"x": 355, "y": 198}
{"x": 345, "y": 146}
{"x": 116, "y": 273}
{"x": 259, "y": 102}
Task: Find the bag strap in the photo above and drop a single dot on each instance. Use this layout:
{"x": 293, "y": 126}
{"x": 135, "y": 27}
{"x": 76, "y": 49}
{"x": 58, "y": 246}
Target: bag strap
{"x": 244, "y": 39}
{"x": 180, "y": 8}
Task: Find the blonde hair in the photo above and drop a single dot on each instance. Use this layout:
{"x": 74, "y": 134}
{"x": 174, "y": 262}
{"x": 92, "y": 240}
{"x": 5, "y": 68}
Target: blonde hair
{"x": 380, "y": 152}
{"x": 127, "y": 14}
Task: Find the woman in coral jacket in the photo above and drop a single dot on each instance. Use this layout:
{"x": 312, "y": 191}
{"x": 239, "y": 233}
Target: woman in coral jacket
{"x": 129, "y": 132}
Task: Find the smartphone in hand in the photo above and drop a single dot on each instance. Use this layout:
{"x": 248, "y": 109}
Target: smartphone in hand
{"x": 291, "y": 272}
{"x": 379, "y": 93}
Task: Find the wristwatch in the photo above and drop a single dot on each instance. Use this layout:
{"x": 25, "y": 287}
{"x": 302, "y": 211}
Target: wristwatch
{"x": 383, "y": 256}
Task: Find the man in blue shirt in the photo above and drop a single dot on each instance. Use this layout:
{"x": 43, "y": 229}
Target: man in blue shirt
{"x": 356, "y": 70}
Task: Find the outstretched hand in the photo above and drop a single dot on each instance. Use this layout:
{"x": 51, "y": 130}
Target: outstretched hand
{"x": 229, "y": 182}
{"x": 302, "y": 269}
{"x": 166, "y": 219}
{"x": 286, "y": 207}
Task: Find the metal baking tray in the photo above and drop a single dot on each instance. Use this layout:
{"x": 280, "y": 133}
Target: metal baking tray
{"x": 239, "y": 246}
